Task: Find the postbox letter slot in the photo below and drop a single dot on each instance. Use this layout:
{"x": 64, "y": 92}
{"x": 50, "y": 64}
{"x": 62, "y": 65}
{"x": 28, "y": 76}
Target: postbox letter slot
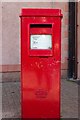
{"x": 41, "y": 26}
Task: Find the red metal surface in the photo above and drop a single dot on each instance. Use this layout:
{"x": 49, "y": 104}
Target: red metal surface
{"x": 41, "y": 12}
{"x": 40, "y": 69}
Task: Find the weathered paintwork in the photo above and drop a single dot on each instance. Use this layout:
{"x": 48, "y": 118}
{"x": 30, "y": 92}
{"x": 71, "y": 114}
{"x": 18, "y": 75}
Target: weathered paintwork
{"x": 40, "y": 69}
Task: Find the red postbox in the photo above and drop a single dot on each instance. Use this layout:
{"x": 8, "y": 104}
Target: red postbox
{"x": 40, "y": 63}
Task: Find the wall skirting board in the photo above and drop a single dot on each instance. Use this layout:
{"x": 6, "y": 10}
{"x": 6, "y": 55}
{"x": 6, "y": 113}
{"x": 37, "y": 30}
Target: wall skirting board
{"x": 10, "y": 68}
{"x": 12, "y": 73}
{"x": 17, "y": 67}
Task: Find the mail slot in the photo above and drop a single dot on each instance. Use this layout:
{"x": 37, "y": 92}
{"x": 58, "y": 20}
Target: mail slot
{"x": 40, "y": 63}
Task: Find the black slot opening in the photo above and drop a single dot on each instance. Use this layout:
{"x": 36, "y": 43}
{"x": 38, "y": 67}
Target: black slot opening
{"x": 41, "y": 26}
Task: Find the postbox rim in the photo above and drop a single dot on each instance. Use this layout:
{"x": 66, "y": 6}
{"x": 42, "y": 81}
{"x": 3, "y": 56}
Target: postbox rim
{"x": 38, "y": 12}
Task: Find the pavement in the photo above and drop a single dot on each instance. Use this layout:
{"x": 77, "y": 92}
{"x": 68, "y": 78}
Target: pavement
{"x": 11, "y": 102}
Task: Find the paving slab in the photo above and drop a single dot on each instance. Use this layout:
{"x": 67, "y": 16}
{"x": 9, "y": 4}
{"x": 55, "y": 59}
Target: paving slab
{"x": 11, "y": 99}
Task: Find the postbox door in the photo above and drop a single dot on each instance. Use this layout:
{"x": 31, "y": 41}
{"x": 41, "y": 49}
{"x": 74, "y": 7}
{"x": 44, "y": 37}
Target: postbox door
{"x": 40, "y": 67}
{"x": 41, "y": 39}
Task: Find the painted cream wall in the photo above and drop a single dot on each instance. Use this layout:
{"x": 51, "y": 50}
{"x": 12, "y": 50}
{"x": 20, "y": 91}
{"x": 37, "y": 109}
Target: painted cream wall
{"x": 0, "y": 33}
{"x": 11, "y": 30}
{"x": 78, "y": 30}
{"x": 0, "y": 61}
{"x": 11, "y": 33}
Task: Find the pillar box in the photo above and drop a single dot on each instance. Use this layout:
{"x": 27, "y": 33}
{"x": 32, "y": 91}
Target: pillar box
{"x": 40, "y": 63}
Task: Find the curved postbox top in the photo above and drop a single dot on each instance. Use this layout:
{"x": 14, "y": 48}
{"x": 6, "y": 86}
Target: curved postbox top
{"x": 29, "y": 12}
